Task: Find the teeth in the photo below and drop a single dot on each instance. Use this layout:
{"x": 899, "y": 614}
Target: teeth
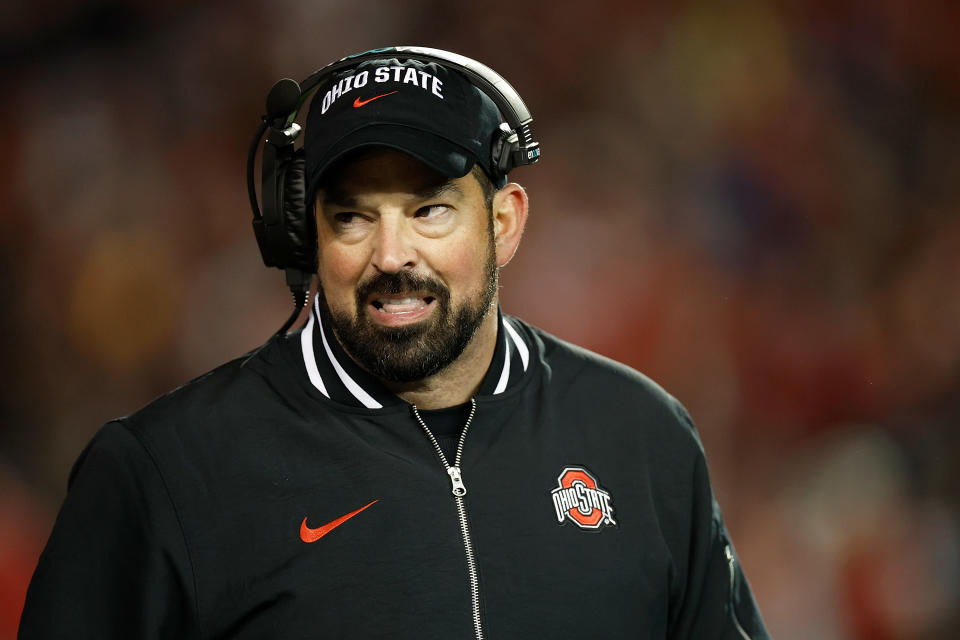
{"x": 400, "y": 305}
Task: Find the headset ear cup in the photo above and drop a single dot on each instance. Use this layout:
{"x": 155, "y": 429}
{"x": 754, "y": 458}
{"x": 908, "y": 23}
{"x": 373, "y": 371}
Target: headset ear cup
{"x": 300, "y": 227}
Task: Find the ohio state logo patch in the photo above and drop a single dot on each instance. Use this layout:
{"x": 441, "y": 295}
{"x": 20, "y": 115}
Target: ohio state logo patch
{"x": 580, "y": 499}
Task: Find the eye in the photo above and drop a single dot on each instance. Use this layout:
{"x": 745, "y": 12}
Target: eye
{"x": 432, "y": 211}
{"x": 347, "y": 218}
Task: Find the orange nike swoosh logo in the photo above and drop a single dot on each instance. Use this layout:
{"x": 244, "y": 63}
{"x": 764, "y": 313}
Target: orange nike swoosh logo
{"x": 312, "y": 535}
{"x": 359, "y": 103}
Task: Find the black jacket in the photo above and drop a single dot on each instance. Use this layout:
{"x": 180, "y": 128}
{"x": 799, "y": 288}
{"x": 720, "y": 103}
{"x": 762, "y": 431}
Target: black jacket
{"x": 588, "y": 510}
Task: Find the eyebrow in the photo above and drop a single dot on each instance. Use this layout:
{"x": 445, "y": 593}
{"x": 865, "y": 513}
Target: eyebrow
{"x": 337, "y": 197}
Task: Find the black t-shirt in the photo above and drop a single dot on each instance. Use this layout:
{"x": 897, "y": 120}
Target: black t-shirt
{"x": 447, "y": 425}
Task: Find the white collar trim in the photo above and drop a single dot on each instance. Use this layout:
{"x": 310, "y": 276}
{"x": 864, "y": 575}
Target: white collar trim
{"x": 362, "y": 396}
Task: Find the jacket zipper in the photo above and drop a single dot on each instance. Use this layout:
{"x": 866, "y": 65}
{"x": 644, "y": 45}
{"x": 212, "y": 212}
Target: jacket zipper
{"x": 732, "y": 565}
{"x": 459, "y": 489}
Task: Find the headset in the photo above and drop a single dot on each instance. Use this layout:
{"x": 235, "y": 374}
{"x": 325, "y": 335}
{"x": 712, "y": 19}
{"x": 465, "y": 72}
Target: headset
{"x": 285, "y": 227}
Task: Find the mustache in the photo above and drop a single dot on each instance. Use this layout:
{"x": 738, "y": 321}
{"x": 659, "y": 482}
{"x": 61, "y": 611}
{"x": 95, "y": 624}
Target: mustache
{"x": 400, "y": 282}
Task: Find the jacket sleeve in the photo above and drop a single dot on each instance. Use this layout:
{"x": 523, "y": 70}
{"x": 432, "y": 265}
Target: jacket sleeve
{"x": 716, "y": 601}
{"x": 116, "y": 564}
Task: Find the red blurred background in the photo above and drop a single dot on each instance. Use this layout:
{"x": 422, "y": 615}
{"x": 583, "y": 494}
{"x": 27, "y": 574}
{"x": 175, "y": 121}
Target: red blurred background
{"x": 755, "y": 203}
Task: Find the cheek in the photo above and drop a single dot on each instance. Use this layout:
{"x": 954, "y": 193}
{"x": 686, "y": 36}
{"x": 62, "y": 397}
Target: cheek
{"x": 339, "y": 272}
{"x": 466, "y": 268}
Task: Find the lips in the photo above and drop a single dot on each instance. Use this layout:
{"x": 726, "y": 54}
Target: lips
{"x": 402, "y": 308}
{"x": 399, "y": 299}
{"x": 407, "y": 304}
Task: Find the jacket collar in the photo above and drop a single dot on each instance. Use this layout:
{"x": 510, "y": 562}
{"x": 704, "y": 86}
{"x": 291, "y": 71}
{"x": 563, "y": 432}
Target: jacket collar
{"x": 334, "y": 374}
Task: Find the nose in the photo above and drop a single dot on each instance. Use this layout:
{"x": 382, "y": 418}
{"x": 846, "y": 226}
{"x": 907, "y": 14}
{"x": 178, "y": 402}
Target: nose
{"x": 393, "y": 249}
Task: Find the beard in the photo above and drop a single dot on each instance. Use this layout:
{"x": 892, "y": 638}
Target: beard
{"x": 416, "y": 351}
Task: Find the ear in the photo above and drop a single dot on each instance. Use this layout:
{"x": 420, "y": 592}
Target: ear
{"x": 509, "y": 218}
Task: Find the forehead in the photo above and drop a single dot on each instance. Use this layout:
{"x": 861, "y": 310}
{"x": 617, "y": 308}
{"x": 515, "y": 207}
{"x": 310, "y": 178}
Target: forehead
{"x": 382, "y": 170}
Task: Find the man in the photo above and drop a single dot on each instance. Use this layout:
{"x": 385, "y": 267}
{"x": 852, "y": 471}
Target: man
{"x": 412, "y": 463}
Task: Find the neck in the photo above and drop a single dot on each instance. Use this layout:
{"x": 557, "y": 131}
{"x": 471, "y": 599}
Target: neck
{"x": 460, "y": 380}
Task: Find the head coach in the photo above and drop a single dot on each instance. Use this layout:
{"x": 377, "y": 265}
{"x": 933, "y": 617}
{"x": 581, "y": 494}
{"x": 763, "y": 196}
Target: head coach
{"x": 412, "y": 462}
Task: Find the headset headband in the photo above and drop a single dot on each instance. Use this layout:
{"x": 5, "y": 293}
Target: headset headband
{"x": 508, "y": 101}
{"x": 287, "y": 98}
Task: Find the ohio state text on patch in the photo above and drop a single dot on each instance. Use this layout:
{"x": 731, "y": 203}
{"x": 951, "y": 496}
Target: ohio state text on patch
{"x": 580, "y": 499}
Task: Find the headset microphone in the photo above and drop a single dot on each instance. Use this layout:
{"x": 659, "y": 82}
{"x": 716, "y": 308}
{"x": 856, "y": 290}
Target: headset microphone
{"x": 282, "y": 99}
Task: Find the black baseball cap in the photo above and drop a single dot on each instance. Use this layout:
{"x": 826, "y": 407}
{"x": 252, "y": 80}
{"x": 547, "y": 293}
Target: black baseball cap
{"x": 420, "y": 108}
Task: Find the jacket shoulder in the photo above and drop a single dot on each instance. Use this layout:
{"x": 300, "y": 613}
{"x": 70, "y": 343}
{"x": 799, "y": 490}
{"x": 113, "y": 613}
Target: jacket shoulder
{"x": 571, "y": 363}
{"x": 612, "y": 387}
{"x": 241, "y": 386}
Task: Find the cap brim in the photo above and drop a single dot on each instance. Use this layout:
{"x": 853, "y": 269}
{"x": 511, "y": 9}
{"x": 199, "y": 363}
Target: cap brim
{"x": 438, "y": 153}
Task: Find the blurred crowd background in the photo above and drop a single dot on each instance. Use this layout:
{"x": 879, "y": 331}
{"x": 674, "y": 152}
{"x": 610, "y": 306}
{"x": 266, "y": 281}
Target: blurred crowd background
{"x": 755, "y": 203}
